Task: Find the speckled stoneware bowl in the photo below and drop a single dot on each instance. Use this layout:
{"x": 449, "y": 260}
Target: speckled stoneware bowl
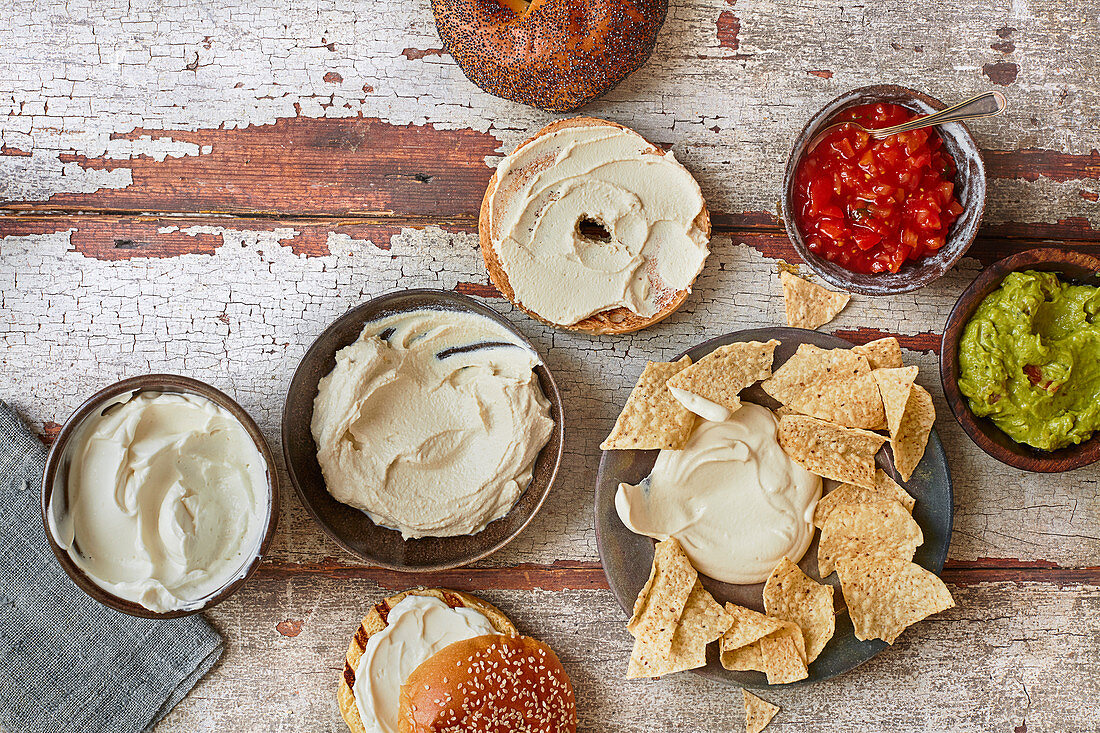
{"x": 57, "y": 473}
{"x": 352, "y": 529}
{"x": 1077, "y": 267}
{"x": 627, "y": 557}
{"x": 970, "y": 187}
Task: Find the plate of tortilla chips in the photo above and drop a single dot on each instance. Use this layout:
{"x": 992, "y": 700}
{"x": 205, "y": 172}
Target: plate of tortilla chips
{"x": 854, "y": 415}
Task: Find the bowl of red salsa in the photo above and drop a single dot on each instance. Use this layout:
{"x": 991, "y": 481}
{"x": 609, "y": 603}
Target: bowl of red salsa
{"x": 887, "y": 216}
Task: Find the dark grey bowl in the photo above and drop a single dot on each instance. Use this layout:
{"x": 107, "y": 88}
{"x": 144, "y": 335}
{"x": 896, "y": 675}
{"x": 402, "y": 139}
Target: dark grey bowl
{"x": 1078, "y": 267}
{"x": 57, "y": 473}
{"x": 970, "y": 187}
{"x": 627, "y": 557}
{"x": 352, "y": 529}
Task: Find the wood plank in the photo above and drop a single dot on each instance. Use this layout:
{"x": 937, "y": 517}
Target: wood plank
{"x": 298, "y": 165}
{"x": 1011, "y": 656}
{"x": 589, "y": 575}
{"x": 251, "y": 111}
{"x": 241, "y": 310}
{"x": 349, "y": 154}
{"x": 124, "y": 237}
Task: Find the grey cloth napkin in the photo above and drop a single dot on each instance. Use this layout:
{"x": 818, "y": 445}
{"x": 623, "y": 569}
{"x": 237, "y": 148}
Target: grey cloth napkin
{"x": 68, "y": 663}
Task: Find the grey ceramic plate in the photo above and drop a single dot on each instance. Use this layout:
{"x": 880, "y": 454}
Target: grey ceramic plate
{"x": 627, "y": 557}
{"x": 353, "y": 529}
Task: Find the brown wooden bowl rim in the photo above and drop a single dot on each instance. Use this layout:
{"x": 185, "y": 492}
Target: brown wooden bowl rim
{"x": 978, "y": 428}
{"x": 168, "y": 383}
{"x": 913, "y": 275}
{"x": 463, "y": 302}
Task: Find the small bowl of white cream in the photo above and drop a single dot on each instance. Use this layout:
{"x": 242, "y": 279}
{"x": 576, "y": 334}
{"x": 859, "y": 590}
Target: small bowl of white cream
{"x": 160, "y": 496}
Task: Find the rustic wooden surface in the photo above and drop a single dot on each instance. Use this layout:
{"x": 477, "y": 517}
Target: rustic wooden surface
{"x": 201, "y": 187}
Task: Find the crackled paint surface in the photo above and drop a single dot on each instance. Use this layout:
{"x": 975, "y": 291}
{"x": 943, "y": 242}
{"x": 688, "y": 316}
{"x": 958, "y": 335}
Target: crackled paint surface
{"x": 87, "y": 87}
{"x": 201, "y": 187}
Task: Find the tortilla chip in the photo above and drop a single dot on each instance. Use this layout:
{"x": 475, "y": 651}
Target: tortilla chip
{"x": 885, "y": 488}
{"x": 723, "y": 373}
{"x": 657, "y": 610}
{"x": 810, "y": 364}
{"x": 752, "y": 657}
{"x": 830, "y": 384}
{"x": 792, "y": 596}
{"x": 738, "y": 644}
{"x": 894, "y": 385}
{"x": 744, "y": 659}
{"x": 809, "y": 305}
{"x": 881, "y": 528}
{"x": 882, "y": 353}
{"x": 791, "y": 631}
{"x": 746, "y": 626}
{"x": 782, "y": 662}
{"x": 887, "y": 595}
{"x": 651, "y": 418}
{"x": 912, "y": 436}
{"x": 741, "y": 646}
{"x": 831, "y": 451}
{"x": 671, "y": 570}
{"x": 702, "y": 621}
{"x": 758, "y": 713}
{"x": 851, "y": 401}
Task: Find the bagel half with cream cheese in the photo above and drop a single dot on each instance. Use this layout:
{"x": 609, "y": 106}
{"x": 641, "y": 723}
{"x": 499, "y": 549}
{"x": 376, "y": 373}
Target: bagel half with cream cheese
{"x": 521, "y": 199}
{"x": 554, "y": 54}
{"x": 376, "y": 622}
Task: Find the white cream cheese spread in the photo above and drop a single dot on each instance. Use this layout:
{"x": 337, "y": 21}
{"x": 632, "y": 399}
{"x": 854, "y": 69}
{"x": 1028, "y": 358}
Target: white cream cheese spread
{"x": 647, "y": 203}
{"x": 166, "y": 500}
{"x": 416, "y": 628}
{"x": 431, "y": 422}
{"x": 732, "y": 497}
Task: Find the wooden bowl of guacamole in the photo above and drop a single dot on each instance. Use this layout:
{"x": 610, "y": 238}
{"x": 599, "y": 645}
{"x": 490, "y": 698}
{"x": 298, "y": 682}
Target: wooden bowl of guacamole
{"x": 1020, "y": 360}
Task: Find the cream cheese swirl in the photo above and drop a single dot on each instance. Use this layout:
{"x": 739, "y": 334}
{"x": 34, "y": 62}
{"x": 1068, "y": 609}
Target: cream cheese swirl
{"x": 649, "y": 205}
{"x": 431, "y": 422}
{"x": 735, "y": 501}
{"x": 166, "y": 500}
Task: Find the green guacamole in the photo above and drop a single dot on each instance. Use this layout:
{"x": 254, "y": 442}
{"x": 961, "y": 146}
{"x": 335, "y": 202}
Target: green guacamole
{"x": 1029, "y": 359}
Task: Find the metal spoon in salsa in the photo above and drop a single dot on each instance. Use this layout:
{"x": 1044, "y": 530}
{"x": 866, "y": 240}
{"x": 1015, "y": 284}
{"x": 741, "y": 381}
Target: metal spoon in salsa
{"x": 872, "y": 205}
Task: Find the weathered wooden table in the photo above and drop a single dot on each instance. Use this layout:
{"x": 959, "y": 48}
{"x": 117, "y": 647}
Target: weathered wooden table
{"x": 201, "y": 187}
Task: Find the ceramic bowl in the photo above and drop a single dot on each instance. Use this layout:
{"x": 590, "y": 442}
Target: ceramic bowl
{"x": 352, "y": 529}
{"x": 1074, "y": 266}
{"x": 970, "y": 187}
{"x": 57, "y": 471}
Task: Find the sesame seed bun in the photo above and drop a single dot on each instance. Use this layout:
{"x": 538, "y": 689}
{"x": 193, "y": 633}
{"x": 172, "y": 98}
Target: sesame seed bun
{"x": 489, "y": 684}
{"x": 375, "y": 621}
{"x": 614, "y": 320}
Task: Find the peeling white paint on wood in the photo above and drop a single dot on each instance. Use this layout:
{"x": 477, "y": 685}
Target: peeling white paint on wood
{"x": 242, "y": 318}
{"x": 76, "y": 72}
{"x": 78, "y": 77}
{"x": 1008, "y": 656}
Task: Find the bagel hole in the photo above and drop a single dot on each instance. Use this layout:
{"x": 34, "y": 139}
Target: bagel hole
{"x": 593, "y": 230}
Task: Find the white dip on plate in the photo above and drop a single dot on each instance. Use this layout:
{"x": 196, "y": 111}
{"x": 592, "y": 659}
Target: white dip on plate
{"x": 732, "y": 497}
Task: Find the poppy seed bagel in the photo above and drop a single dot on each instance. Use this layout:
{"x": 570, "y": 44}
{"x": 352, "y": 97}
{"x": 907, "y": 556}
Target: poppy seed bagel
{"x": 554, "y": 54}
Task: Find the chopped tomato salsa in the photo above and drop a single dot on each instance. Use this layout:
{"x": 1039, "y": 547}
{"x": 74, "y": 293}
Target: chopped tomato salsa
{"x": 872, "y": 205}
